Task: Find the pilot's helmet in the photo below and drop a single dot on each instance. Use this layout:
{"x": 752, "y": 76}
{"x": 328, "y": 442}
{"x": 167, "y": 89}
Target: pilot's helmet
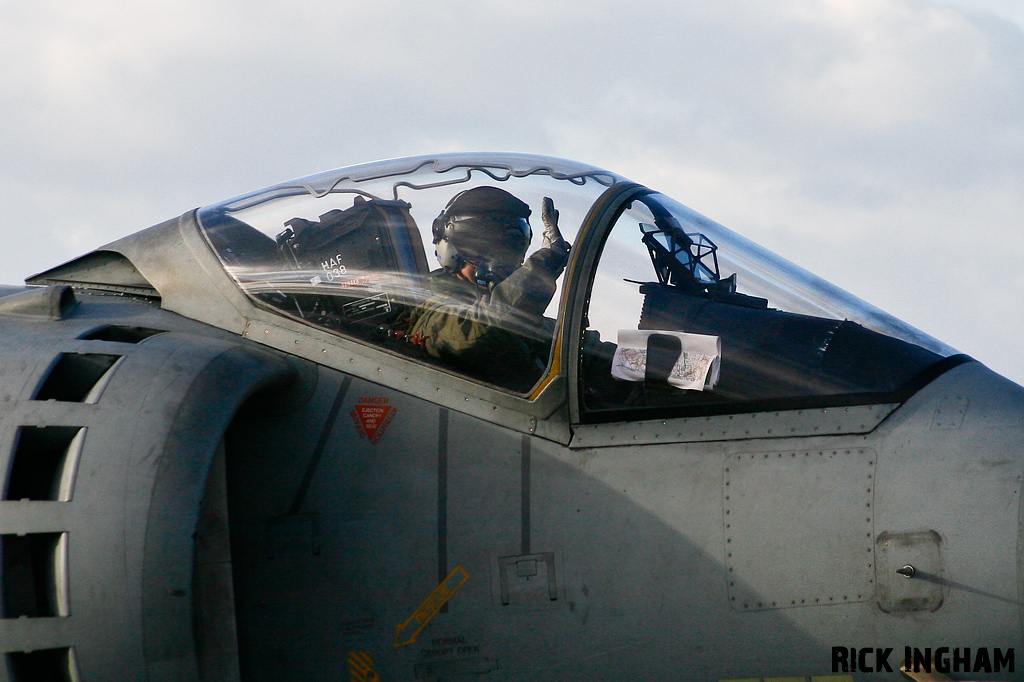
{"x": 487, "y": 227}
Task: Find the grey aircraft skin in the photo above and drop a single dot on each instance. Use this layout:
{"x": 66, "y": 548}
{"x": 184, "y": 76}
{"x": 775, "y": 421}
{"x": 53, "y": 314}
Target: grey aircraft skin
{"x": 222, "y": 460}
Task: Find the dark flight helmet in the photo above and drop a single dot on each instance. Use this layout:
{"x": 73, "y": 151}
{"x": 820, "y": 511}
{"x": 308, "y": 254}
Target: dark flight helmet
{"x": 487, "y": 227}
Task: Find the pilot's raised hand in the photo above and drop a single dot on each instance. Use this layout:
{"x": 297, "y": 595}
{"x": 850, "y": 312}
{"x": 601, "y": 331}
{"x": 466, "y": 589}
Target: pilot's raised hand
{"x": 552, "y": 236}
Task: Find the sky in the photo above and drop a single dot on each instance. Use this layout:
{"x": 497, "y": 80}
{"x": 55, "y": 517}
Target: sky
{"x": 876, "y": 143}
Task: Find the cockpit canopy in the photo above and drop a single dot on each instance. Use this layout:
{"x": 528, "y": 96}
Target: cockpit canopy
{"x": 658, "y": 309}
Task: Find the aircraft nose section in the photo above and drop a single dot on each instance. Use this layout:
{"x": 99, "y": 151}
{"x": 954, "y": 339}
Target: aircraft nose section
{"x": 954, "y": 521}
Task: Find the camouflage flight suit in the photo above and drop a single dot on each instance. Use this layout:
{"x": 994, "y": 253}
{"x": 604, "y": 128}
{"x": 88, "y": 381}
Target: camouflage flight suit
{"x": 499, "y": 334}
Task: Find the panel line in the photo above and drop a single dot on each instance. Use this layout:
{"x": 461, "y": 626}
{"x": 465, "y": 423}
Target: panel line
{"x": 321, "y": 444}
{"x": 442, "y": 499}
{"x": 442, "y": 495}
{"x": 524, "y": 499}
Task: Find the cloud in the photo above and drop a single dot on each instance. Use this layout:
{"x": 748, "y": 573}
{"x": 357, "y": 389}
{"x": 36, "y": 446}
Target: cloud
{"x": 877, "y": 143}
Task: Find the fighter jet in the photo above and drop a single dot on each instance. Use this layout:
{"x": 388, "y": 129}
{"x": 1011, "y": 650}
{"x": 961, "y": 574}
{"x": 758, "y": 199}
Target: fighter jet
{"x": 491, "y": 417}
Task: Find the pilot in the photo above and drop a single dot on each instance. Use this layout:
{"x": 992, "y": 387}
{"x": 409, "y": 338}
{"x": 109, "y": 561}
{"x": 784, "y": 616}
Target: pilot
{"x": 486, "y": 315}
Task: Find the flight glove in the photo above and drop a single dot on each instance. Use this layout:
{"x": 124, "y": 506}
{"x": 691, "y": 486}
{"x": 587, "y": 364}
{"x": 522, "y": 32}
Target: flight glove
{"x": 552, "y": 236}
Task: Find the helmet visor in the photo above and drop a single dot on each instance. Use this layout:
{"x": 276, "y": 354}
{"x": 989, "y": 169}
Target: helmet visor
{"x": 499, "y": 241}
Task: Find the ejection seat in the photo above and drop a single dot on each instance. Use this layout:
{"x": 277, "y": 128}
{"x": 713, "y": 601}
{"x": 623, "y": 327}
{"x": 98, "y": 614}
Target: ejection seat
{"x": 353, "y": 270}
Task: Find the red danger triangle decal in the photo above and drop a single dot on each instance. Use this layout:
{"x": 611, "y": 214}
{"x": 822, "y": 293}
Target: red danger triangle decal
{"x": 371, "y": 417}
